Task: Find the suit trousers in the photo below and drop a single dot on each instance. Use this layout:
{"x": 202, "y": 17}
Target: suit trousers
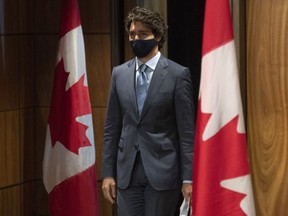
{"x": 141, "y": 199}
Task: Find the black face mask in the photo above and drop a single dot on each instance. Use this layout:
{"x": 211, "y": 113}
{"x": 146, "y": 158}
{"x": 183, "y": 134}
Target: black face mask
{"x": 142, "y": 48}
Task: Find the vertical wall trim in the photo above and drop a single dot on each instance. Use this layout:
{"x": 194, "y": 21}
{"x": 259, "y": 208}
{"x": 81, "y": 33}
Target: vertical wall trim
{"x": 238, "y": 9}
{"x": 117, "y": 32}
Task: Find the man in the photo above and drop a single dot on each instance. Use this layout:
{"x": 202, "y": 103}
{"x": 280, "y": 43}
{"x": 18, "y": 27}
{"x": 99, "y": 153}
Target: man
{"x": 149, "y": 127}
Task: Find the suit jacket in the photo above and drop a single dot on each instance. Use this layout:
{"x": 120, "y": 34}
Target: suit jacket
{"x": 163, "y": 133}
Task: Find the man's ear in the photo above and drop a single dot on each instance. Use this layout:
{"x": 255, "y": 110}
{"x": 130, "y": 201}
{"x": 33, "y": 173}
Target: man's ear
{"x": 158, "y": 38}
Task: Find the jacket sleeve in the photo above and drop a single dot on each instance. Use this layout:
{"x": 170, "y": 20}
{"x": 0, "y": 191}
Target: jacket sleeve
{"x": 185, "y": 117}
{"x": 112, "y": 131}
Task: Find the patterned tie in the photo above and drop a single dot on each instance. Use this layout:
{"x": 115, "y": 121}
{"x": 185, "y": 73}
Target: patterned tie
{"x": 141, "y": 87}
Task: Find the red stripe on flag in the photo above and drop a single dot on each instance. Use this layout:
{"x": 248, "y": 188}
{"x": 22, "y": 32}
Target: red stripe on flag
{"x": 75, "y": 196}
{"x": 70, "y": 16}
{"x": 217, "y": 26}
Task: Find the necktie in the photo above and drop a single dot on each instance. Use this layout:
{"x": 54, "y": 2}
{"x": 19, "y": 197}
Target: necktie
{"x": 141, "y": 87}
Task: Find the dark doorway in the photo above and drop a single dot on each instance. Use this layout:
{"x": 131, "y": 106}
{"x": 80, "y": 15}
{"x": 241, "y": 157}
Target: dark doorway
{"x": 185, "y": 20}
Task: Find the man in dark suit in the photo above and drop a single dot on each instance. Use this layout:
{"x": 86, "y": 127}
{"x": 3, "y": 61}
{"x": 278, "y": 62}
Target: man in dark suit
{"x": 149, "y": 127}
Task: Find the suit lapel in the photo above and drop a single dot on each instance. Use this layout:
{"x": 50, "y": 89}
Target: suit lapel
{"x": 159, "y": 76}
{"x": 131, "y": 86}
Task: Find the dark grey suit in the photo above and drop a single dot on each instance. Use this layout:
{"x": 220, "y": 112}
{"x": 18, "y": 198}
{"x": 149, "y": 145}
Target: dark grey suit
{"x": 164, "y": 133}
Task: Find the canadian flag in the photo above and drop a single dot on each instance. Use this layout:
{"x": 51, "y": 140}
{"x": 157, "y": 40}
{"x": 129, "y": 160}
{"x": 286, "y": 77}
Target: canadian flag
{"x": 69, "y": 172}
{"x": 221, "y": 174}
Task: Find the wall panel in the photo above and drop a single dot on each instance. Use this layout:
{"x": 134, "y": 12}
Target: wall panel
{"x": 25, "y": 16}
{"x": 95, "y": 16}
{"x": 3, "y": 154}
{"x": 26, "y": 71}
{"x": 41, "y": 204}
{"x": 46, "y": 16}
{"x": 41, "y": 121}
{"x": 27, "y": 144}
{"x": 9, "y": 16}
{"x": 45, "y": 48}
{"x": 10, "y": 204}
{"x": 9, "y": 82}
{"x": 98, "y": 68}
{"x": 13, "y": 147}
{"x": 267, "y": 100}
{"x": 28, "y": 199}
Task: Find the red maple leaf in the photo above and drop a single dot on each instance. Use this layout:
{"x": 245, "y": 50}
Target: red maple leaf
{"x": 221, "y": 157}
{"x": 66, "y": 106}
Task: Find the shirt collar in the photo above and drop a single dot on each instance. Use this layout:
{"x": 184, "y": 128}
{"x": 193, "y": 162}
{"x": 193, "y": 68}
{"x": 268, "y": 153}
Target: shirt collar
{"x": 151, "y": 63}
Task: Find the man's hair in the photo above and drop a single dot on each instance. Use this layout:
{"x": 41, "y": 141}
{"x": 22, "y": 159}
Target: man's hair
{"x": 150, "y": 19}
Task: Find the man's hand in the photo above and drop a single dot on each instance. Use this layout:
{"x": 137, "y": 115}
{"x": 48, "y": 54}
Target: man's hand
{"x": 109, "y": 189}
{"x": 186, "y": 191}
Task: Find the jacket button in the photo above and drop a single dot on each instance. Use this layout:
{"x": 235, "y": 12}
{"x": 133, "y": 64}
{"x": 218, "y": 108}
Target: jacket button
{"x": 138, "y": 125}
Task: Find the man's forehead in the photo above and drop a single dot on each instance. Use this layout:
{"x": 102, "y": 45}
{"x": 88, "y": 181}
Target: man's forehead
{"x": 139, "y": 26}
